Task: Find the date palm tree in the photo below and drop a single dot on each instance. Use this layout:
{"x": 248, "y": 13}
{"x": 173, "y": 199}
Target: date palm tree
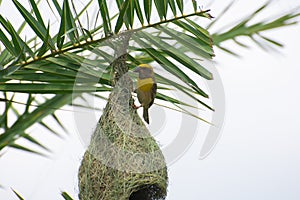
{"x": 76, "y": 55}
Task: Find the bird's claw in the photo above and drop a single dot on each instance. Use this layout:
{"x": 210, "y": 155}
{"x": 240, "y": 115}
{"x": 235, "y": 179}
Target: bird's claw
{"x": 136, "y": 107}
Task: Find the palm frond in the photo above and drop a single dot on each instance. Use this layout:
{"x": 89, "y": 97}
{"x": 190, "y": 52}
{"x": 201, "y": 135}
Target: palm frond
{"x": 17, "y": 194}
{"x": 245, "y": 28}
{"x": 15, "y": 131}
{"x": 59, "y": 63}
{"x": 105, "y": 17}
{"x": 66, "y": 196}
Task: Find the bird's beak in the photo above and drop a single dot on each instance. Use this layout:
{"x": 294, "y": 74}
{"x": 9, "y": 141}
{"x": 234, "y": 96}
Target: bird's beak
{"x": 137, "y": 69}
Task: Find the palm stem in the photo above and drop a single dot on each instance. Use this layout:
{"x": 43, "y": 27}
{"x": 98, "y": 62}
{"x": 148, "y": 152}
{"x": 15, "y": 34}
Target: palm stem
{"x": 93, "y": 42}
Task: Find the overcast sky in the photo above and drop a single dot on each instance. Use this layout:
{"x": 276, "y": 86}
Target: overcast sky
{"x": 257, "y": 157}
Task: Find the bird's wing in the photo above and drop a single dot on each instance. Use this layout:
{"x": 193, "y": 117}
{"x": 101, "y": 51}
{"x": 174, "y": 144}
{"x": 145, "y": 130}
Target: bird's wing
{"x": 153, "y": 93}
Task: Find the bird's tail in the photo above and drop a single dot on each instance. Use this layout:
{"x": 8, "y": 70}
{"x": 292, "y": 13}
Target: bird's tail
{"x": 146, "y": 115}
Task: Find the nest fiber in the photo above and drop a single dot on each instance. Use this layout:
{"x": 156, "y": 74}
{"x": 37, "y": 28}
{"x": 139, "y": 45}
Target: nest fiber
{"x": 123, "y": 161}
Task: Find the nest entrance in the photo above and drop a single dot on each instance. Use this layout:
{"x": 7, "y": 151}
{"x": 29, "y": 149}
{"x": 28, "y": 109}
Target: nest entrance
{"x": 147, "y": 192}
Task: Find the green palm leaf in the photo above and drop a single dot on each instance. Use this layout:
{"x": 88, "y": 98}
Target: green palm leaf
{"x": 17, "y": 194}
{"x": 121, "y": 17}
{"x": 70, "y": 71}
{"x": 180, "y": 5}
{"x": 161, "y": 8}
{"x": 66, "y": 196}
{"x": 173, "y": 6}
{"x": 37, "y": 13}
{"x": 105, "y": 17}
{"x": 38, "y": 28}
{"x": 148, "y": 9}
{"x": 5, "y": 41}
{"x": 176, "y": 44}
{"x": 170, "y": 67}
{"x": 139, "y": 11}
{"x": 180, "y": 57}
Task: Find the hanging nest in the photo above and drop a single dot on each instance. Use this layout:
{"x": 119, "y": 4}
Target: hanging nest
{"x": 123, "y": 161}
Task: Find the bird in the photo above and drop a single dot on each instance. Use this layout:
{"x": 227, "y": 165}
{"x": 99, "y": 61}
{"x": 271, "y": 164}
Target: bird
{"x": 146, "y": 88}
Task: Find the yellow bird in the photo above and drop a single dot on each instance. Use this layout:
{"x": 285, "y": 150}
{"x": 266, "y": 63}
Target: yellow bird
{"x": 146, "y": 88}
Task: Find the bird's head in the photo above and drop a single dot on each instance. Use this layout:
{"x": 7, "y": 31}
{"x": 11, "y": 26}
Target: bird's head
{"x": 144, "y": 70}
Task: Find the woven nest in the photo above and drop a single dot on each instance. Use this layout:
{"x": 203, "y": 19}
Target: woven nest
{"x": 123, "y": 160}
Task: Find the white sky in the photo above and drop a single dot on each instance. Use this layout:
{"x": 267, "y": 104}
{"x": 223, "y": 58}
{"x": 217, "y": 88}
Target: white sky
{"x": 257, "y": 156}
